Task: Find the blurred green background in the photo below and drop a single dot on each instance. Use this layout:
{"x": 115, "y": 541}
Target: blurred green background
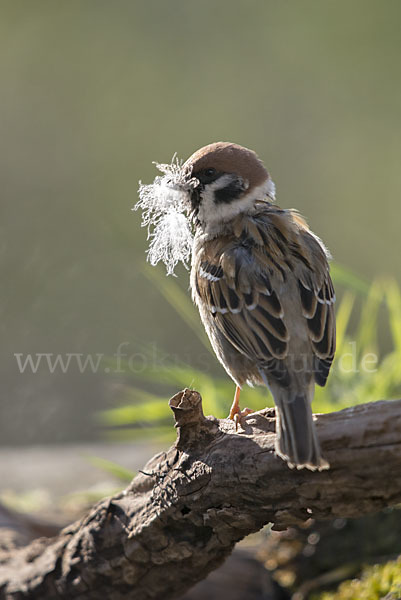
{"x": 93, "y": 92}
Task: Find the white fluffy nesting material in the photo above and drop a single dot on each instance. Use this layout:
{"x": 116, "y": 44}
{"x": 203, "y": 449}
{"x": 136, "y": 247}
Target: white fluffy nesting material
{"x": 165, "y": 205}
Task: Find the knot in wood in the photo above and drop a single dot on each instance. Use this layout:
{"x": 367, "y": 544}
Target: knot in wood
{"x": 189, "y": 418}
{"x": 187, "y": 408}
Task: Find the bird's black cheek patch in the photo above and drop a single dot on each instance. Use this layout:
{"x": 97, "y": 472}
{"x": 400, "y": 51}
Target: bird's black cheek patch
{"x": 230, "y": 192}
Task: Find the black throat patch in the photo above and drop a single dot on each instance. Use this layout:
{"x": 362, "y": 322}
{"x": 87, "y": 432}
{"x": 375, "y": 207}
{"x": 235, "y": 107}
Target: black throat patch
{"x": 231, "y": 192}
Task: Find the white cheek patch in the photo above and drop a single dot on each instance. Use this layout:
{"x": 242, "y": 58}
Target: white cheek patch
{"x": 165, "y": 204}
{"x": 213, "y": 214}
{"x": 208, "y": 209}
{"x": 268, "y": 188}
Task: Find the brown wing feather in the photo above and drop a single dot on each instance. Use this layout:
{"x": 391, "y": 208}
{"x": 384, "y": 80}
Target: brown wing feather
{"x": 317, "y": 299}
{"x": 237, "y": 284}
{"x": 246, "y": 308}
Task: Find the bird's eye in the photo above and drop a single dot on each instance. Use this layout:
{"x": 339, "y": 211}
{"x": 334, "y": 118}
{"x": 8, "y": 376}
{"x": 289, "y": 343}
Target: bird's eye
{"x": 207, "y": 175}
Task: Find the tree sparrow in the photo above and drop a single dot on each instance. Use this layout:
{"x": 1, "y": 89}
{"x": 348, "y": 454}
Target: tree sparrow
{"x": 260, "y": 279}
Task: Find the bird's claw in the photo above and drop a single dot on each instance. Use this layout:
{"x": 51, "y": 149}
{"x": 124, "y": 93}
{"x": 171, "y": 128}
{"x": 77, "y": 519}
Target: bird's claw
{"x": 240, "y": 414}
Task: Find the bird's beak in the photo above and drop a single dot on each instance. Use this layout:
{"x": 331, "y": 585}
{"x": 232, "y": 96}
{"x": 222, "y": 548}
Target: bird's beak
{"x": 179, "y": 182}
{"x": 176, "y": 187}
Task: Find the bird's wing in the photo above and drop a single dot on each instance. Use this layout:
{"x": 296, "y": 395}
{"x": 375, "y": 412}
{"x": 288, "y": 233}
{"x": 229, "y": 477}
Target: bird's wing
{"x": 317, "y": 299}
{"x": 238, "y": 277}
{"x": 235, "y": 281}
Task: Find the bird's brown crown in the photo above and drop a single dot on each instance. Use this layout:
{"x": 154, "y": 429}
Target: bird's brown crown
{"x": 227, "y": 157}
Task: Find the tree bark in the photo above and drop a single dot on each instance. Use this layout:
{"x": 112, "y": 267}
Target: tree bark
{"x": 182, "y": 515}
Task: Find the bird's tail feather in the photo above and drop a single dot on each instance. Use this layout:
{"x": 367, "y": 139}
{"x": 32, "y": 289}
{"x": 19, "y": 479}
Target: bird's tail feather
{"x": 296, "y": 438}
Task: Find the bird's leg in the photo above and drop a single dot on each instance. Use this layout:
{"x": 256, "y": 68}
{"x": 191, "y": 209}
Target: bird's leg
{"x": 235, "y": 412}
{"x": 235, "y": 409}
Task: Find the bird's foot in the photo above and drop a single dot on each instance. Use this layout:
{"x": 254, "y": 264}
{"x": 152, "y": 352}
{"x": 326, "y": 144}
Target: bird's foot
{"x": 238, "y": 415}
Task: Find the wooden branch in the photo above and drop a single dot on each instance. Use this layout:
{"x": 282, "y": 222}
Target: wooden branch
{"x": 181, "y": 517}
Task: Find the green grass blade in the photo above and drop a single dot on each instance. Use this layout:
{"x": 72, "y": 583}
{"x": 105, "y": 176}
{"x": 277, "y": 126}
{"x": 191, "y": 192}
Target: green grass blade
{"x": 343, "y": 317}
{"x": 121, "y": 473}
{"x": 367, "y": 328}
{"x": 150, "y": 410}
{"x": 344, "y": 276}
{"x": 393, "y": 298}
{"x": 179, "y": 301}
